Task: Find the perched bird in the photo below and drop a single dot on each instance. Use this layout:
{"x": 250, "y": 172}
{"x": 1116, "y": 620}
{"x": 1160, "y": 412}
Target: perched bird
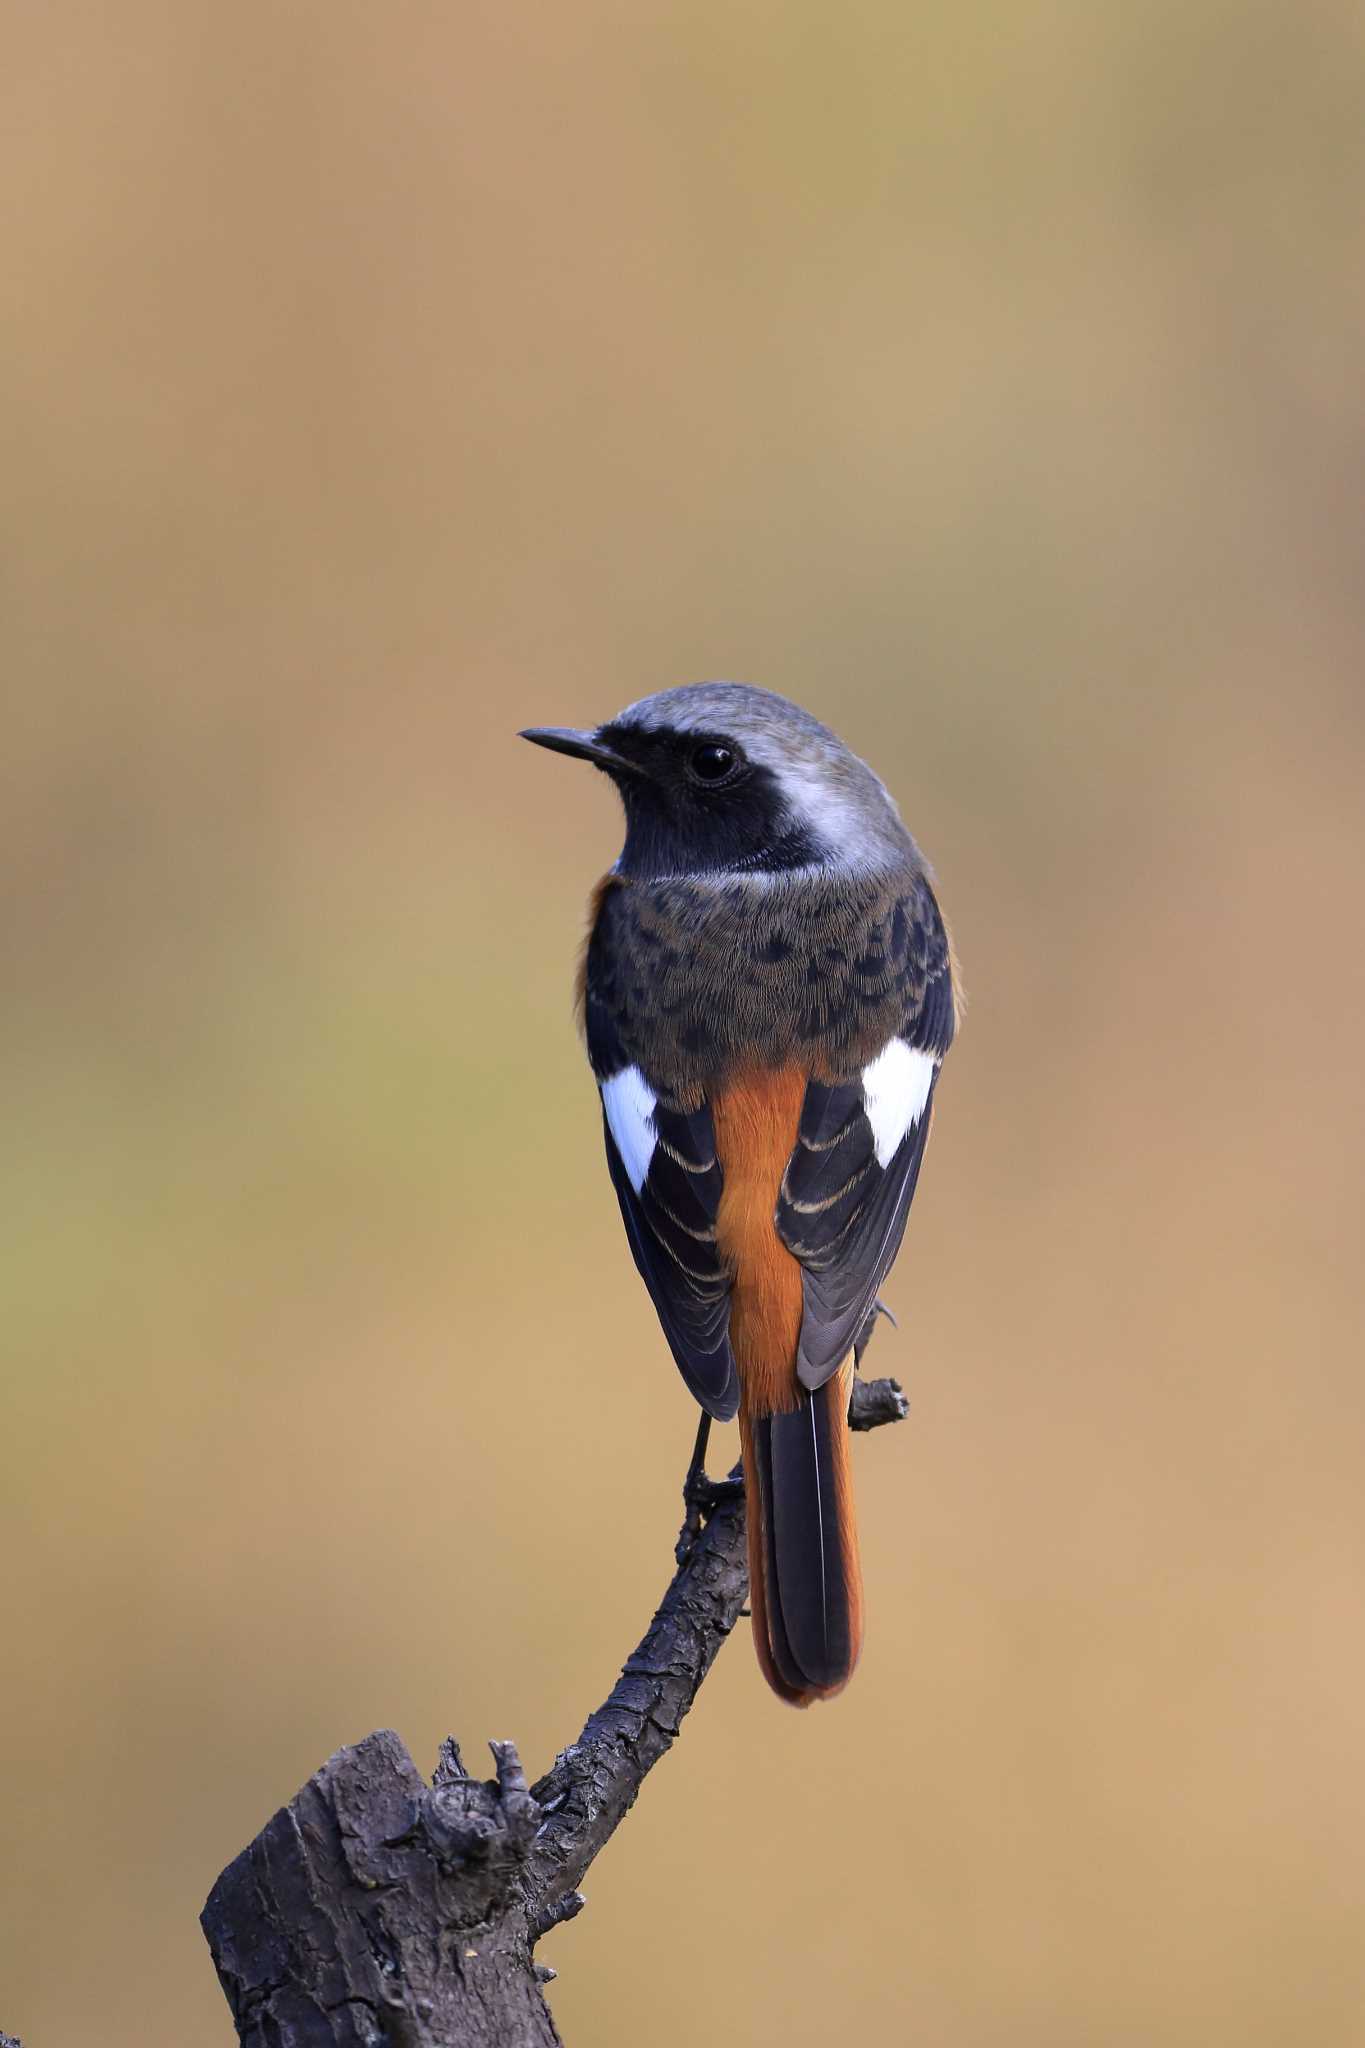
{"x": 767, "y": 994}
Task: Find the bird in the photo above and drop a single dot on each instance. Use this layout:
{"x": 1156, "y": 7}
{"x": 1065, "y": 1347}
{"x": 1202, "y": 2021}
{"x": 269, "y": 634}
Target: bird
{"x": 767, "y": 992}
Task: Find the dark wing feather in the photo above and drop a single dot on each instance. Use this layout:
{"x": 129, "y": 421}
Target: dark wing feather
{"x": 840, "y": 1212}
{"x": 671, "y": 1220}
{"x": 847, "y": 1250}
{"x": 670, "y": 1223}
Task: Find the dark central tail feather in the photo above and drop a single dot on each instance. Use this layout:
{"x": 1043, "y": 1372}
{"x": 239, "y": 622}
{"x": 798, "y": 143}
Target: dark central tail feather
{"x": 805, "y": 1584}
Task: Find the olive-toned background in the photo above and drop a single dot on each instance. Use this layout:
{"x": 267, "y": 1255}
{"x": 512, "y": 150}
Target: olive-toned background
{"x": 379, "y": 380}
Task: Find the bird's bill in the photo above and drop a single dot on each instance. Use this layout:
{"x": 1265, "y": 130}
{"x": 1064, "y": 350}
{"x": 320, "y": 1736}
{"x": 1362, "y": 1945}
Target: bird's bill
{"x": 584, "y": 746}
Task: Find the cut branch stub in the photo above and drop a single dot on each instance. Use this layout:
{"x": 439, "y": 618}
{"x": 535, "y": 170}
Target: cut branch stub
{"x": 873, "y": 1402}
{"x": 377, "y": 1911}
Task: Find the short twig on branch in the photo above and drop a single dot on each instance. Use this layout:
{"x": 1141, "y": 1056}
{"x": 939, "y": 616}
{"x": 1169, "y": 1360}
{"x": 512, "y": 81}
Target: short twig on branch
{"x": 377, "y": 1911}
{"x": 874, "y": 1402}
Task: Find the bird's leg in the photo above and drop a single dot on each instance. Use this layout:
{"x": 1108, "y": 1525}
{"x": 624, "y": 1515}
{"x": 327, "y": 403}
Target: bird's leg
{"x": 866, "y": 1333}
{"x": 696, "y": 1471}
{"x": 871, "y": 1402}
{"x": 701, "y": 1496}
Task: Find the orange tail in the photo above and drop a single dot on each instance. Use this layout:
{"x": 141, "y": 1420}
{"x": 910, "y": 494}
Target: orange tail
{"x": 805, "y": 1588}
{"x": 805, "y": 1583}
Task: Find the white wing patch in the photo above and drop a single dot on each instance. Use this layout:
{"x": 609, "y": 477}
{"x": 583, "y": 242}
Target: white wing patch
{"x": 895, "y": 1089}
{"x": 630, "y": 1103}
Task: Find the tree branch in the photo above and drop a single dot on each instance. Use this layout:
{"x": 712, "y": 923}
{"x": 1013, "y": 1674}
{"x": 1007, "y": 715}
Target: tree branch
{"x": 377, "y": 1911}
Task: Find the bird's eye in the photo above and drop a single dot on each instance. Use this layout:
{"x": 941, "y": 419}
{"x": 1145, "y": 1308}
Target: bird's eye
{"x": 712, "y": 763}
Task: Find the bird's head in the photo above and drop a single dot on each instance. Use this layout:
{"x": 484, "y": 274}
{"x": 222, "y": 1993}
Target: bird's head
{"x": 721, "y": 778}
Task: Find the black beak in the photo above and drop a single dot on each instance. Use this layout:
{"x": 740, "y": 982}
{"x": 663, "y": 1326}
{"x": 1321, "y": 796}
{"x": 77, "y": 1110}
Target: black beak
{"x": 584, "y": 746}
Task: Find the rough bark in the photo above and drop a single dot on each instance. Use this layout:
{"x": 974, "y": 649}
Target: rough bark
{"x": 379, "y": 1911}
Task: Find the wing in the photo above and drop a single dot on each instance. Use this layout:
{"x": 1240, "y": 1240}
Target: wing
{"x": 851, "y": 1178}
{"x": 669, "y": 1211}
{"x": 661, "y": 1151}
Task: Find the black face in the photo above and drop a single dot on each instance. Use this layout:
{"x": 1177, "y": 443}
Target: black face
{"x": 695, "y": 804}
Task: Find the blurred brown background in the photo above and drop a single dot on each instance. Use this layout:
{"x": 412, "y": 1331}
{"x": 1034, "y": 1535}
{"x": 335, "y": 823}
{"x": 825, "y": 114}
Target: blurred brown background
{"x": 379, "y": 380}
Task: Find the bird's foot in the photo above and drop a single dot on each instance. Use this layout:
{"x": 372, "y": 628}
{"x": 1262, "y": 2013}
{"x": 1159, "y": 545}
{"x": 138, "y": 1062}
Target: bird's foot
{"x": 701, "y": 1497}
